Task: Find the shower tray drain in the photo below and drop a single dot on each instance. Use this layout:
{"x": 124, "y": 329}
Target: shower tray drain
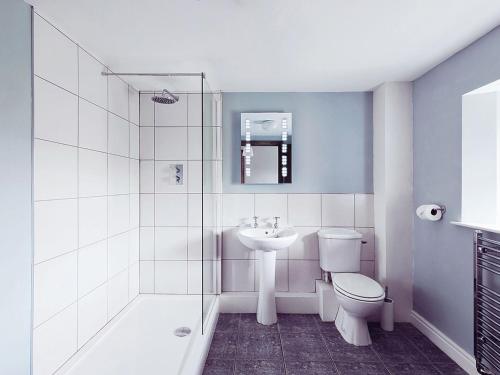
{"x": 182, "y": 331}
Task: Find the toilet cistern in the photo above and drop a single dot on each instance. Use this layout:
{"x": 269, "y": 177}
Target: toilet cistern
{"x": 266, "y": 241}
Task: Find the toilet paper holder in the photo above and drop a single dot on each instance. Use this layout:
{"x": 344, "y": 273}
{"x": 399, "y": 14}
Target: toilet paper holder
{"x": 433, "y": 212}
{"x": 441, "y": 208}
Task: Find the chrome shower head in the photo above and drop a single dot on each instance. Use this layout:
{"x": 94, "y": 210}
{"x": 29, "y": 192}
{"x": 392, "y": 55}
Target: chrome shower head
{"x": 166, "y": 98}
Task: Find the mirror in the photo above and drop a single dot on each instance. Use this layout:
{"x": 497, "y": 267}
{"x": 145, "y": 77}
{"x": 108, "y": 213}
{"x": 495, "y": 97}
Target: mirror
{"x": 266, "y": 148}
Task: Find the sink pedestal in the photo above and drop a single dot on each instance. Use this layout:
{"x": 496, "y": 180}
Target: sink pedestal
{"x": 266, "y": 241}
{"x": 266, "y": 305}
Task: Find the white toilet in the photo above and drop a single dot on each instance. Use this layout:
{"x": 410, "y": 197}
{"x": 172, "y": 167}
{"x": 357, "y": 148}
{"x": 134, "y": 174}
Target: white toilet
{"x": 359, "y": 296}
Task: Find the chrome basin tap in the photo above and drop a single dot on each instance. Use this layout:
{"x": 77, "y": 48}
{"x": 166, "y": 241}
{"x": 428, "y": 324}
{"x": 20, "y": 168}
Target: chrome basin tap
{"x": 255, "y": 223}
{"x": 276, "y": 223}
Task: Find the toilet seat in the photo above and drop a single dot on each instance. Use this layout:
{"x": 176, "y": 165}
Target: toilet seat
{"x": 358, "y": 287}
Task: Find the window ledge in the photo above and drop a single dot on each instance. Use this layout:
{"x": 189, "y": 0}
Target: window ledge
{"x": 485, "y": 227}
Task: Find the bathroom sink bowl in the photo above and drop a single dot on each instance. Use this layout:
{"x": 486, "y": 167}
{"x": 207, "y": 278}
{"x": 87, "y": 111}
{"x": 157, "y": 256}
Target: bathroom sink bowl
{"x": 267, "y": 239}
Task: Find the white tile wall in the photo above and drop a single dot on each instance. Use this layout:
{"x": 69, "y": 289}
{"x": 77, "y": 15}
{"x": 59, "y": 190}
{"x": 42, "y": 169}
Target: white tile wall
{"x": 267, "y": 206}
{"x": 55, "y": 56}
{"x": 171, "y": 143}
{"x": 86, "y": 197}
{"x": 238, "y": 275}
{"x": 93, "y": 86}
{"x": 194, "y": 145}
{"x": 92, "y": 220}
{"x": 118, "y": 214}
{"x": 92, "y": 314}
{"x": 56, "y": 113}
{"x": 170, "y": 215}
{"x": 171, "y": 277}
{"x": 118, "y": 135}
{"x": 93, "y": 126}
{"x": 147, "y": 142}
{"x": 237, "y": 209}
{"x": 170, "y": 243}
{"x": 117, "y": 293}
{"x": 118, "y": 96}
{"x": 297, "y": 267}
{"x": 147, "y": 112}
{"x": 134, "y": 176}
{"x": 133, "y": 99}
{"x": 118, "y": 252}
{"x": 92, "y": 267}
{"x": 56, "y": 228}
{"x": 194, "y": 277}
{"x": 364, "y": 210}
{"x": 55, "y": 341}
{"x": 55, "y": 171}
{"x": 194, "y": 115}
{"x": 118, "y": 175}
{"x": 304, "y": 209}
{"x": 172, "y": 115}
{"x": 92, "y": 173}
{"x": 55, "y": 286}
{"x": 337, "y": 210}
{"x": 171, "y": 210}
{"x": 147, "y": 276}
{"x": 195, "y": 239}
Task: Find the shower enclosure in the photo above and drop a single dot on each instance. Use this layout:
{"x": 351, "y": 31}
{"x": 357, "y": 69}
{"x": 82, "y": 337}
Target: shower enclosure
{"x": 127, "y": 215}
{"x": 181, "y": 168}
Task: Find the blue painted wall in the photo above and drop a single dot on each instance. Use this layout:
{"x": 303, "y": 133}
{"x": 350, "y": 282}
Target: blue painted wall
{"x": 443, "y": 269}
{"x": 332, "y": 140}
{"x": 15, "y": 188}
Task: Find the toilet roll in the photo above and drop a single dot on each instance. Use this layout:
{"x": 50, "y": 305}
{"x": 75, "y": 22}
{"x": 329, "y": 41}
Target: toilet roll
{"x": 431, "y": 212}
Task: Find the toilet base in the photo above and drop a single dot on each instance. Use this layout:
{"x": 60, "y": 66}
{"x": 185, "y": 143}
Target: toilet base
{"x": 353, "y": 330}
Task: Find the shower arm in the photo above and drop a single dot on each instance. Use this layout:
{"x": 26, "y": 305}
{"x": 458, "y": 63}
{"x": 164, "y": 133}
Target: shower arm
{"x": 201, "y": 74}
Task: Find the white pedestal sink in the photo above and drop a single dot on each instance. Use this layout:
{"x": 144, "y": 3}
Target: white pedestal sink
{"x": 266, "y": 241}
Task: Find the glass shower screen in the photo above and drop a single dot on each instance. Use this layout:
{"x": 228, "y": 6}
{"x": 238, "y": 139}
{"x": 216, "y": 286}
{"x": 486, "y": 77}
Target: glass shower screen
{"x": 211, "y": 197}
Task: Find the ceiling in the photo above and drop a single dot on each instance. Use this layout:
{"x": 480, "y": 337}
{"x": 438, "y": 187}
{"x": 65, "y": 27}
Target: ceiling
{"x": 275, "y": 45}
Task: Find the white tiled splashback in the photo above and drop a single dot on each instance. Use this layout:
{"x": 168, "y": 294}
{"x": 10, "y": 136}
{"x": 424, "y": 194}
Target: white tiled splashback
{"x": 86, "y": 184}
{"x": 297, "y": 267}
{"x": 171, "y": 233}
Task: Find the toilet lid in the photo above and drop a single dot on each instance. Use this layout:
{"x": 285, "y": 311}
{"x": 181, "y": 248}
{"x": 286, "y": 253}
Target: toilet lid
{"x": 357, "y": 285}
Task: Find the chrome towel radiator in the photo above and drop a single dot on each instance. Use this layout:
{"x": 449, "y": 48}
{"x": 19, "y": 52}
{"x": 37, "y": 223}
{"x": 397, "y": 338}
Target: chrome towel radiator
{"x": 486, "y": 304}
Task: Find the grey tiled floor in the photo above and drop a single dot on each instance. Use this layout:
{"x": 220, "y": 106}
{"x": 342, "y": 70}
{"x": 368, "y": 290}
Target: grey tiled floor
{"x": 304, "y": 345}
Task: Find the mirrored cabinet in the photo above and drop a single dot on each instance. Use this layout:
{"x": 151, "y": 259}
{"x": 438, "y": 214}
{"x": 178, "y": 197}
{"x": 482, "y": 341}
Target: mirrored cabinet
{"x": 266, "y": 148}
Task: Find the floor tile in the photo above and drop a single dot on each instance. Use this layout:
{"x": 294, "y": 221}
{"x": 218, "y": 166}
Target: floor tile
{"x": 223, "y": 345}
{"x": 228, "y": 322}
{"x": 258, "y": 367}
{"x": 342, "y": 351}
{"x": 395, "y": 357}
{"x": 304, "y": 347}
{"x": 430, "y": 351}
{"x": 259, "y": 345}
{"x": 361, "y": 368}
{"x": 310, "y": 368}
{"x": 301, "y": 344}
{"x": 295, "y": 323}
{"x": 389, "y": 344}
{"x": 248, "y": 323}
{"x": 218, "y": 367}
{"x": 407, "y": 329}
{"x": 449, "y": 369}
{"x": 326, "y": 327}
{"x": 413, "y": 369}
